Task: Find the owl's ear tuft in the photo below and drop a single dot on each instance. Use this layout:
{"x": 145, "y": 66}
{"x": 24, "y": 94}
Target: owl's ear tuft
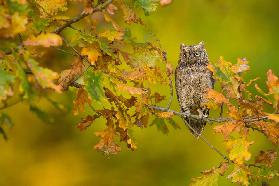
{"x": 182, "y": 46}
{"x": 201, "y": 44}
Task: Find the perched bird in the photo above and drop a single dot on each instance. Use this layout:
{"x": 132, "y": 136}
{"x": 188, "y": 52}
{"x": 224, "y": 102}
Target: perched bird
{"x": 193, "y": 79}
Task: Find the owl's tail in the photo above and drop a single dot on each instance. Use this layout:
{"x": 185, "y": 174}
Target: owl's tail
{"x": 195, "y": 126}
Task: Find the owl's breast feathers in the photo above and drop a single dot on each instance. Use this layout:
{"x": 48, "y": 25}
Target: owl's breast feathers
{"x": 192, "y": 83}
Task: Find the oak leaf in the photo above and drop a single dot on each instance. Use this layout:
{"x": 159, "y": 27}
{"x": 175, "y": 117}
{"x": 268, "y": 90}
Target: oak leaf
{"x": 45, "y": 40}
{"x": 238, "y": 150}
{"x": 86, "y": 122}
{"x": 92, "y": 53}
{"x": 44, "y": 76}
{"x": 112, "y": 35}
{"x": 240, "y": 175}
{"x": 81, "y": 99}
{"x": 131, "y": 90}
{"x": 266, "y": 157}
{"x": 274, "y": 117}
{"x": 107, "y": 144}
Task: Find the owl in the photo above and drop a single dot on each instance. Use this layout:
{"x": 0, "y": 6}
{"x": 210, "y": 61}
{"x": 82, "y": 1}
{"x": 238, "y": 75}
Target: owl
{"x": 192, "y": 80}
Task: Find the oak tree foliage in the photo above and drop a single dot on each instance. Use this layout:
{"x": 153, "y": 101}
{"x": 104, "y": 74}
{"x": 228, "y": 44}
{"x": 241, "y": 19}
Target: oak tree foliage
{"x": 112, "y": 74}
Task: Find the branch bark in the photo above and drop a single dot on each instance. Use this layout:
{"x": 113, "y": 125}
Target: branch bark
{"x": 81, "y": 16}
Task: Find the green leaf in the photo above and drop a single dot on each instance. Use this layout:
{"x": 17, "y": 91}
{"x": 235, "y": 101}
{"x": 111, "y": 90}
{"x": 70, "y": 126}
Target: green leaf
{"x": 40, "y": 24}
{"x": 24, "y": 84}
{"x": 5, "y": 119}
{"x": 14, "y": 6}
{"x": 173, "y": 123}
{"x": 5, "y": 81}
{"x": 148, "y": 6}
{"x": 161, "y": 125}
{"x": 41, "y": 114}
{"x": 93, "y": 85}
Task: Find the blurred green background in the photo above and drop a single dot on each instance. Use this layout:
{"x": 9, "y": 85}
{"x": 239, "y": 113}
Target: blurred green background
{"x": 59, "y": 154}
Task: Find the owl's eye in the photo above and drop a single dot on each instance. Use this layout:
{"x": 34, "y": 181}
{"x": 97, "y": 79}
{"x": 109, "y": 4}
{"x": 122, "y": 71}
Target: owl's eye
{"x": 197, "y": 54}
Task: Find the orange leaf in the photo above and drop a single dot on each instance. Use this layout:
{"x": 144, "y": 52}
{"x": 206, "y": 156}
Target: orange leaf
{"x": 107, "y": 144}
{"x": 226, "y": 129}
{"x": 93, "y": 53}
{"x": 218, "y": 97}
{"x": 272, "y": 81}
{"x": 165, "y": 114}
{"x": 274, "y": 117}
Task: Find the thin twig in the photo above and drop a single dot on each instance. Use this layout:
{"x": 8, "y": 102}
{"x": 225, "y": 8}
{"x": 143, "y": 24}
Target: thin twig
{"x": 218, "y": 120}
{"x": 81, "y": 16}
{"x": 200, "y": 135}
{"x": 210, "y": 120}
{"x": 164, "y": 55}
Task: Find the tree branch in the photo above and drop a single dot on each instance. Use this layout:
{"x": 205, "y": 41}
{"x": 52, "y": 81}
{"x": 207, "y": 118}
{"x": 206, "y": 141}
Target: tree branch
{"x": 209, "y": 120}
{"x": 81, "y": 16}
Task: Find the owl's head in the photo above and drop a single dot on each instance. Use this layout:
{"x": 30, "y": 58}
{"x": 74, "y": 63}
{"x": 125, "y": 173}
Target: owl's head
{"x": 191, "y": 54}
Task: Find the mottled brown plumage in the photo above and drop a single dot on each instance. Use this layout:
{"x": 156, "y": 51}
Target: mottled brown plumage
{"x": 193, "y": 79}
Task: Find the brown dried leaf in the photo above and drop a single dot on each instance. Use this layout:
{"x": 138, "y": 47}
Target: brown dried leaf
{"x": 81, "y": 99}
{"x": 86, "y": 122}
{"x": 107, "y": 144}
{"x": 70, "y": 75}
{"x": 266, "y": 157}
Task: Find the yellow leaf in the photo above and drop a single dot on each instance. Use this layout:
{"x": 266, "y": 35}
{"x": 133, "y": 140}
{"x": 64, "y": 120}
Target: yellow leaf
{"x": 112, "y": 35}
{"x": 131, "y": 144}
{"x": 121, "y": 120}
{"x": 238, "y": 150}
{"x": 93, "y": 53}
{"x": 165, "y": 114}
{"x": 13, "y": 25}
{"x": 45, "y": 77}
{"x": 210, "y": 177}
{"x": 51, "y": 7}
{"x": 45, "y": 40}
{"x": 274, "y": 117}
{"x": 240, "y": 175}
{"x": 131, "y": 90}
